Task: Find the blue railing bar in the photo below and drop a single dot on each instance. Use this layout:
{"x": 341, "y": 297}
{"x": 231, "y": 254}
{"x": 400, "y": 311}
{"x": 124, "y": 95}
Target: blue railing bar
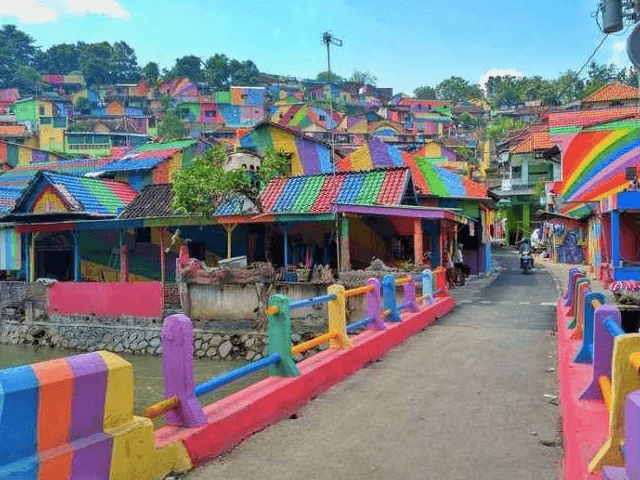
{"x": 612, "y": 327}
{"x": 309, "y": 302}
{"x": 404, "y": 305}
{"x": 359, "y": 324}
{"x": 228, "y": 377}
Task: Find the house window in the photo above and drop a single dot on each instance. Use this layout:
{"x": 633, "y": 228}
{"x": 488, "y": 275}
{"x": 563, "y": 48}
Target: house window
{"x": 321, "y": 117}
{"x": 516, "y": 172}
{"x": 244, "y": 96}
{"x": 41, "y": 110}
{"x": 210, "y": 113}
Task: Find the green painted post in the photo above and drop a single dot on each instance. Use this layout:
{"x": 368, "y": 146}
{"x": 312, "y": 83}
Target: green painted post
{"x": 280, "y": 338}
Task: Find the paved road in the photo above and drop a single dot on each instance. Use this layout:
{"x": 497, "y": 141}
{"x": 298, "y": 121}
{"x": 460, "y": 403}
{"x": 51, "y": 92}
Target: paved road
{"x": 464, "y": 399}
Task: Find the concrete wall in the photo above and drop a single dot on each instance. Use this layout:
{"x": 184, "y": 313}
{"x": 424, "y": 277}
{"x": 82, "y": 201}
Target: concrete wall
{"x": 108, "y": 299}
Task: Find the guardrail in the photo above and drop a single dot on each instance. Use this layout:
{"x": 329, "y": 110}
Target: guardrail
{"x": 615, "y": 376}
{"x": 181, "y": 405}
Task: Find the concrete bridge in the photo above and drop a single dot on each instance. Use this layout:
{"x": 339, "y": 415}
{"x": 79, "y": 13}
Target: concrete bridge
{"x": 468, "y": 397}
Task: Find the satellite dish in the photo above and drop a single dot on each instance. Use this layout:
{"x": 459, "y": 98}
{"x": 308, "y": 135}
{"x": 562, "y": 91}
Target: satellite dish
{"x": 633, "y": 46}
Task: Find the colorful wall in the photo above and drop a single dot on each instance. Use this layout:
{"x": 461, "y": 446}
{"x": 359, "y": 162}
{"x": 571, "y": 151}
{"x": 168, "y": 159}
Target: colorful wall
{"x": 374, "y": 154}
{"x": 307, "y": 156}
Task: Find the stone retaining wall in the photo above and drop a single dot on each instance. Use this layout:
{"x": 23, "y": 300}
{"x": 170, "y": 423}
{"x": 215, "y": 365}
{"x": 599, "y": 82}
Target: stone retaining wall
{"x": 132, "y": 339}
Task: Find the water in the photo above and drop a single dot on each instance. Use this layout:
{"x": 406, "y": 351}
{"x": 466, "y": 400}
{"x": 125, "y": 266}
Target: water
{"x": 147, "y": 370}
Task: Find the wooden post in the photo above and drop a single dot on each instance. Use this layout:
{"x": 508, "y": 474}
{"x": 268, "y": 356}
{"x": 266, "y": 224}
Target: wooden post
{"x": 345, "y": 257}
{"x": 163, "y": 267}
{"x": 124, "y": 260}
{"x": 286, "y": 248}
{"x": 76, "y": 257}
{"x": 417, "y": 242}
{"x": 32, "y": 257}
{"x": 229, "y": 228}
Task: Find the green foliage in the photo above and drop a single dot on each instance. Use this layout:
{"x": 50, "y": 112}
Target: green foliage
{"x": 425, "y": 93}
{"x": 95, "y": 62}
{"x": 217, "y": 73}
{"x": 151, "y": 72}
{"x": 124, "y": 64}
{"x": 26, "y": 79}
{"x": 61, "y": 59}
{"x": 172, "y": 127}
{"x": 500, "y": 126}
{"x": 457, "y": 89}
{"x": 199, "y": 188}
{"x": 188, "y": 66}
{"x": 366, "y": 77}
{"x": 324, "y": 76}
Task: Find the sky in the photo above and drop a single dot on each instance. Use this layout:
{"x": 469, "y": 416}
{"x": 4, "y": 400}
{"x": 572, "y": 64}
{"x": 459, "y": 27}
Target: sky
{"x": 405, "y": 44}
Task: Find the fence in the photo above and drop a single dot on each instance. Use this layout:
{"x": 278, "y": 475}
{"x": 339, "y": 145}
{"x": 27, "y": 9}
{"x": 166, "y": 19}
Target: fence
{"x": 614, "y": 358}
{"x": 177, "y": 335}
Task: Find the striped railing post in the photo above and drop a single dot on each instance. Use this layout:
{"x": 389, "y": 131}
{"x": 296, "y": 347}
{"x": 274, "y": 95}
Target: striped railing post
{"x": 337, "y": 312}
{"x": 373, "y": 305}
{"x": 389, "y": 298}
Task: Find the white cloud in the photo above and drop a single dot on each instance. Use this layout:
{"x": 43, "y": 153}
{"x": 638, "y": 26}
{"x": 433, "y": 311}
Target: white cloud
{"x": 47, "y": 11}
{"x": 618, "y": 55}
{"x": 499, "y": 72}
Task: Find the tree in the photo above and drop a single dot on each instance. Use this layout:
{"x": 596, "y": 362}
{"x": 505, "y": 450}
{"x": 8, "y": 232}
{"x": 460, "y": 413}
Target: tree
{"x": 124, "y": 64}
{"x": 217, "y": 73}
{"x": 244, "y": 73}
{"x": 60, "y": 59}
{"x": 201, "y": 187}
{"x": 367, "y": 78}
{"x": 26, "y": 79}
{"x": 425, "y": 93}
{"x": 172, "y": 127}
{"x": 188, "y": 66}
{"x": 324, "y": 76}
{"x": 457, "y": 89}
{"x": 95, "y": 62}
{"x": 151, "y": 72}
{"x": 21, "y": 45}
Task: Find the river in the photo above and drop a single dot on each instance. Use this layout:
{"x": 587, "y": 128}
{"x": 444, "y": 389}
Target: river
{"x": 148, "y": 382}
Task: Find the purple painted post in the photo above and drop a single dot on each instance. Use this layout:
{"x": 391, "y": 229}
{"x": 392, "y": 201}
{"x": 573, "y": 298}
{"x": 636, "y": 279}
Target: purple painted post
{"x": 602, "y": 350}
{"x": 373, "y": 305}
{"x": 409, "y": 290}
{"x": 631, "y": 469}
{"x": 565, "y": 297}
{"x": 572, "y": 288}
{"x": 177, "y": 359}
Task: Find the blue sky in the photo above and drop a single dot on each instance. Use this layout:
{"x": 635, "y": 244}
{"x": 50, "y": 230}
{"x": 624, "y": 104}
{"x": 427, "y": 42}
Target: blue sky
{"x": 403, "y": 43}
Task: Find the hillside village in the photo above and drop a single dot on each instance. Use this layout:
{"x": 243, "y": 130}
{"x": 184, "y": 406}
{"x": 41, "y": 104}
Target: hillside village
{"x": 86, "y": 191}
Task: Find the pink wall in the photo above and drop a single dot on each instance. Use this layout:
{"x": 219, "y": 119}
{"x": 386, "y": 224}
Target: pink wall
{"x": 106, "y": 299}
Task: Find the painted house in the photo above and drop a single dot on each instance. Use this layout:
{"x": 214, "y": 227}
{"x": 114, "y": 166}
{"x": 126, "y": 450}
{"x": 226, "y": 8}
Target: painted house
{"x": 7, "y": 97}
{"x": 44, "y": 217}
{"x": 179, "y": 88}
{"x": 101, "y": 143}
{"x": 48, "y": 116}
{"x": 13, "y": 155}
{"x": 308, "y": 155}
{"x": 611, "y": 95}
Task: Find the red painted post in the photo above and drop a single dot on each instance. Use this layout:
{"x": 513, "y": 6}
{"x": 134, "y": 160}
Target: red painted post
{"x": 417, "y": 242}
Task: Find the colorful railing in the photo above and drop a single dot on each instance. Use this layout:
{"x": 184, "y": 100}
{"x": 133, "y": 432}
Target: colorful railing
{"x": 181, "y": 403}
{"x": 615, "y": 376}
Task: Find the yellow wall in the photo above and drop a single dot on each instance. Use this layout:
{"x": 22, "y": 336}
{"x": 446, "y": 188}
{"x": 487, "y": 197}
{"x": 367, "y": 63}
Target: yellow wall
{"x": 284, "y": 142}
{"x": 432, "y": 150}
{"x": 48, "y": 109}
{"x": 51, "y": 138}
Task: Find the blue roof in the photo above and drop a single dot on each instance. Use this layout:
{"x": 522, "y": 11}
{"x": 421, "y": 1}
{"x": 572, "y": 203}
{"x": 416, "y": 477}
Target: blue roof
{"x": 131, "y": 164}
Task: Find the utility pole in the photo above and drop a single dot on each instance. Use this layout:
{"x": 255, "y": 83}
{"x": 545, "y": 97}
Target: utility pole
{"x": 329, "y": 40}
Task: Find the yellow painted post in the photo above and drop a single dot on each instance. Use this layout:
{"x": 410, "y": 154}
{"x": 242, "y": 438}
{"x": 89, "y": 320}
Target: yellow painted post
{"x": 624, "y": 380}
{"x": 229, "y": 228}
{"x": 336, "y": 310}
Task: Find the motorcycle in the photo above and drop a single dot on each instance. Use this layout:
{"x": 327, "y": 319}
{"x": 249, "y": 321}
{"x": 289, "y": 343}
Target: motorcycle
{"x": 526, "y": 259}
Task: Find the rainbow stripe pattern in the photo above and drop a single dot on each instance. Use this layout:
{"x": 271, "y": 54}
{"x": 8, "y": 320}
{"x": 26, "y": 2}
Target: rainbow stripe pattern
{"x": 319, "y": 193}
{"x": 373, "y": 154}
{"x": 10, "y": 249}
{"x": 594, "y": 164}
{"x": 75, "y": 194}
{"x": 55, "y": 417}
{"x": 429, "y": 179}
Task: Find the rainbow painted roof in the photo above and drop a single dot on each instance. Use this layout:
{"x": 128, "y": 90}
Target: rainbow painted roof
{"x": 373, "y": 154}
{"x": 79, "y": 194}
{"x": 319, "y": 193}
{"x": 430, "y": 179}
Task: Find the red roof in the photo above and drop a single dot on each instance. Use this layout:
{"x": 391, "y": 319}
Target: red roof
{"x": 533, "y": 142}
{"x": 13, "y": 131}
{"x": 611, "y": 92}
{"x": 582, "y": 118}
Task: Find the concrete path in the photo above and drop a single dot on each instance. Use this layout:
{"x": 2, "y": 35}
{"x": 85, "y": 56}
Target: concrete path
{"x": 472, "y": 397}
